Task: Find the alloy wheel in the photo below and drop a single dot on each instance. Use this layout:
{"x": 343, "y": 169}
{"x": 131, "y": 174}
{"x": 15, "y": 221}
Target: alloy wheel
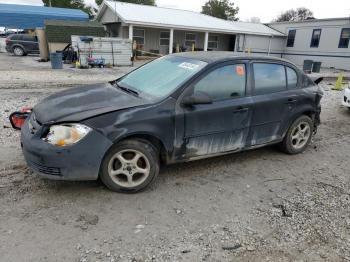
{"x": 18, "y": 51}
{"x": 300, "y": 135}
{"x": 129, "y": 168}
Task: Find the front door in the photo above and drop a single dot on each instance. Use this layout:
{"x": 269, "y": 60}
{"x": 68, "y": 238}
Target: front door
{"x": 221, "y": 126}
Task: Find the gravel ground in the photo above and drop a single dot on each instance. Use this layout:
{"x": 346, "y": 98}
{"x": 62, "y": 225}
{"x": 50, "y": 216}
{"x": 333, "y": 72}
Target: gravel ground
{"x": 260, "y": 205}
{"x": 26, "y": 72}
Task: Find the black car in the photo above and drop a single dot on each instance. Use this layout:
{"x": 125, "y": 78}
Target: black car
{"x": 177, "y": 108}
{"x": 22, "y": 44}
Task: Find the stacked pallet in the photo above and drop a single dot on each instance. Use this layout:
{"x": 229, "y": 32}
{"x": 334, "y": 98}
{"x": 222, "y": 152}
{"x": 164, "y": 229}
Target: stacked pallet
{"x": 113, "y": 51}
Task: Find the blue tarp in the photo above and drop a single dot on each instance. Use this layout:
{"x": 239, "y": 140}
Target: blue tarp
{"x": 30, "y": 17}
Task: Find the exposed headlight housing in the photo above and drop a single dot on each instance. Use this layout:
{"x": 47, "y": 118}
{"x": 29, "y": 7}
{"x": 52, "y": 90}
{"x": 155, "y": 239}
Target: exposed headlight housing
{"x": 66, "y": 134}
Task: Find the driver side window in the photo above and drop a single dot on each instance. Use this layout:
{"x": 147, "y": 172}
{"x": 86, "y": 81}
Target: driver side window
{"x": 223, "y": 83}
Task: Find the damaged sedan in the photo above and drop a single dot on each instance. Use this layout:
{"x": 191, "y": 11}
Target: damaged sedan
{"x": 180, "y": 107}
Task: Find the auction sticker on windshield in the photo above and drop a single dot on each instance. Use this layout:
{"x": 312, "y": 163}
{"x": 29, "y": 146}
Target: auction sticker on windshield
{"x": 188, "y": 66}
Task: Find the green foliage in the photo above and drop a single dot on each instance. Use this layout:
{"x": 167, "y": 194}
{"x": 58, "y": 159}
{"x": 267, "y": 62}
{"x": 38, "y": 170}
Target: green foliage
{"x": 223, "y": 9}
{"x": 139, "y": 2}
{"x": 298, "y": 14}
{"x": 74, "y": 4}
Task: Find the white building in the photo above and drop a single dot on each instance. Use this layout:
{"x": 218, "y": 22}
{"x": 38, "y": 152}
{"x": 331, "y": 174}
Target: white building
{"x": 323, "y": 40}
{"x": 160, "y": 30}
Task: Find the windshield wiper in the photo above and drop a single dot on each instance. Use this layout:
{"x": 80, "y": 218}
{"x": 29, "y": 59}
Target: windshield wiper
{"x": 126, "y": 89}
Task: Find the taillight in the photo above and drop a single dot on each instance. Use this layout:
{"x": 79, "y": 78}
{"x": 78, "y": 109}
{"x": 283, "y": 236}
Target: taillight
{"x": 7, "y": 40}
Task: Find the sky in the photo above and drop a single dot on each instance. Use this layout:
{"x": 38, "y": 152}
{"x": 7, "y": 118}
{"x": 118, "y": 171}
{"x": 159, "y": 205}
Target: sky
{"x": 266, "y": 10}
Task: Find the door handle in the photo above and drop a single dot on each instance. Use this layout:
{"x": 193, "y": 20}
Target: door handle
{"x": 291, "y": 100}
{"x": 240, "y": 109}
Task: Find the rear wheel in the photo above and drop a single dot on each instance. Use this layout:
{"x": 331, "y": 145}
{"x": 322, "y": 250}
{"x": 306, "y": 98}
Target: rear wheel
{"x": 298, "y": 136}
{"x": 18, "y": 51}
{"x": 130, "y": 166}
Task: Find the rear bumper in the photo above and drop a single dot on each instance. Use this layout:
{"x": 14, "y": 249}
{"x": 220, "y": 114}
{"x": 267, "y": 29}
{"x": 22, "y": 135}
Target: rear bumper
{"x": 8, "y": 49}
{"x": 80, "y": 161}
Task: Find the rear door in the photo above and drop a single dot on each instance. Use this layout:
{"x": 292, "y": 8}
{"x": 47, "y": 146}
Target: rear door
{"x": 30, "y": 43}
{"x": 223, "y": 125}
{"x": 273, "y": 101}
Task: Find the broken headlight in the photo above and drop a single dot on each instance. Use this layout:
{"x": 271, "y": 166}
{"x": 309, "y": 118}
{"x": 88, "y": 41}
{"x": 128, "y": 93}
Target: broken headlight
{"x": 66, "y": 134}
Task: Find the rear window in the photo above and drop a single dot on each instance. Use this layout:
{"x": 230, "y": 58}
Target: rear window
{"x": 16, "y": 37}
{"x": 269, "y": 78}
{"x": 292, "y": 78}
{"x": 29, "y": 38}
{"x": 306, "y": 81}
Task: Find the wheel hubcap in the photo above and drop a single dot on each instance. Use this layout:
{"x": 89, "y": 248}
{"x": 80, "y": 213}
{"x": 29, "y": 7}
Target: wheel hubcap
{"x": 300, "y": 135}
{"x": 18, "y": 51}
{"x": 129, "y": 168}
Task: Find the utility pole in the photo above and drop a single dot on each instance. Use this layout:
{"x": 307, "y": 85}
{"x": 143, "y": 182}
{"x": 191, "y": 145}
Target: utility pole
{"x": 50, "y": 3}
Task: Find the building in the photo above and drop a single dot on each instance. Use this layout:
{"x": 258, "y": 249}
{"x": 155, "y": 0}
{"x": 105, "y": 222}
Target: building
{"x": 323, "y": 40}
{"x": 31, "y": 17}
{"x": 163, "y": 30}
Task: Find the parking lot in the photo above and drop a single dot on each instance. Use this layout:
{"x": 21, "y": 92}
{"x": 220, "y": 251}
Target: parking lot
{"x": 260, "y": 205}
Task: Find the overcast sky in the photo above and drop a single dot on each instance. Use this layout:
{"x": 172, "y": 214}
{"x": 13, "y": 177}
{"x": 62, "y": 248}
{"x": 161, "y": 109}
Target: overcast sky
{"x": 266, "y": 10}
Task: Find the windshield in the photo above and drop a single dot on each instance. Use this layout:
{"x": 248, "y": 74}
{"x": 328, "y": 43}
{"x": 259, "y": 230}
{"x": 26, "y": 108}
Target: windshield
{"x": 162, "y": 76}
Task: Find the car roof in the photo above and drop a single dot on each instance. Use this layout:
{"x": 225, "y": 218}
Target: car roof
{"x": 217, "y": 56}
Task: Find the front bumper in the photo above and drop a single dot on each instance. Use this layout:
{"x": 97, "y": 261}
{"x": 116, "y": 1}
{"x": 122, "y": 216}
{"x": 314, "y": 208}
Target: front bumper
{"x": 346, "y": 98}
{"x": 80, "y": 161}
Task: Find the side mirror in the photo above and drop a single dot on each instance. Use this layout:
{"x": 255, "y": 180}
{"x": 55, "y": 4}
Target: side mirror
{"x": 198, "y": 98}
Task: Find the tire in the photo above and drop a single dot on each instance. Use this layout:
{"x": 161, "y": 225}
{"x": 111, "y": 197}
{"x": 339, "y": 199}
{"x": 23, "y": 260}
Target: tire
{"x": 120, "y": 166}
{"x": 298, "y": 136}
{"x": 18, "y": 51}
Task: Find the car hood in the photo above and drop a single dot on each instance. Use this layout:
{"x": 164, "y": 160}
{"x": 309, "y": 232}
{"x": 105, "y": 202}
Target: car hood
{"x": 80, "y": 103}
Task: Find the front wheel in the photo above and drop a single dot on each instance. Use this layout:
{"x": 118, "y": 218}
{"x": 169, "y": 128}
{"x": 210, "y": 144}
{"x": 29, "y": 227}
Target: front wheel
{"x": 130, "y": 166}
{"x": 298, "y": 136}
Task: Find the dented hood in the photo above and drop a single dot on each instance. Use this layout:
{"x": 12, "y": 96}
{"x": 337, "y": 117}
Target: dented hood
{"x": 79, "y": 103}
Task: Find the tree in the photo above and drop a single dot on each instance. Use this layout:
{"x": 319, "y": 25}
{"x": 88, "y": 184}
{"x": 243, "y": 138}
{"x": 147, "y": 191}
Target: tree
{"x": 139, "y": 2}
{"x": 299, "y": 14}
{"x": 254, "y": 19}
{"x": 74, "y": 4}
{"x": 221, "y": 8}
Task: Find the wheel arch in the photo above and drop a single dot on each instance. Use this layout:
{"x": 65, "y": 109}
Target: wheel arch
{"x": 303, "y": 111}
{"x": 151, "y": 138}
{"x": 17, "y": 45}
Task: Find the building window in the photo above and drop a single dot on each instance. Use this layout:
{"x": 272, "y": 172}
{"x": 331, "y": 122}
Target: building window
{"x": 190, "y": 39}
{"x": 213, "y": 42}
{"x": 344, "y": 38}
{"x": 164, "y": 39}
{"x": 315, "y": 39}
{"x": 291, "y": 38}
{"x": 139, "y": 36}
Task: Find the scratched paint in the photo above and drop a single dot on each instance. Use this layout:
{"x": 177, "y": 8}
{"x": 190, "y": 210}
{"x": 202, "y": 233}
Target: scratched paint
{"x": 216, "y": 143}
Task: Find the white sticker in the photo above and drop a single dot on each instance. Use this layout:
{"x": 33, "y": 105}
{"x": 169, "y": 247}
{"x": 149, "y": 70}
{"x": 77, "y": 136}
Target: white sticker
{"x": 188, "y": 66}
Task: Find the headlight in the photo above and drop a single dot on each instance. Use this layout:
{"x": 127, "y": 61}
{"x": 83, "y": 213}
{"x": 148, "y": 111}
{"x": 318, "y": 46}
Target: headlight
{"x": 66, "y": 134}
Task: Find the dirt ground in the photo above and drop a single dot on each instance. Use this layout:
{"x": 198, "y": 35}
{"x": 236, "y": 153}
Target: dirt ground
{"x": 260, "y": 205}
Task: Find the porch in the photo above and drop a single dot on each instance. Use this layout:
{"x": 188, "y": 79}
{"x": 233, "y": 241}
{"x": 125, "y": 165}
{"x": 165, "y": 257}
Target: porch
{"x": 166, "y": 41}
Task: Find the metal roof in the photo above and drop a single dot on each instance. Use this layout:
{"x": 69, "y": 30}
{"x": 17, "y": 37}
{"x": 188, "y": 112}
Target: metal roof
{"x": 314, "y": 20}
{"x": 28, "y": 17}
{"x": 181, "y": 19}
